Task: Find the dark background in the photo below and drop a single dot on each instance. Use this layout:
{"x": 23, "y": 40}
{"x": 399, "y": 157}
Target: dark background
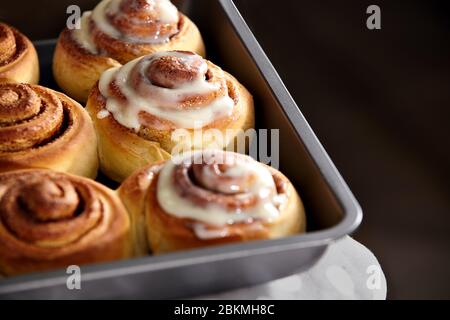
{"x": 379, "y": 102}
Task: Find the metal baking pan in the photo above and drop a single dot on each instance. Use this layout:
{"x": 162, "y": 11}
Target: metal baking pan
{"x": 332, "y": 210}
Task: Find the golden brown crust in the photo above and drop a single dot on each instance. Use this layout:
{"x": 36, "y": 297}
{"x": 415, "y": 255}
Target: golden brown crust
{"x": 52, "y": 220}
{"x": 41, "y": 128}
{"x": 133, "y": 193}
{"x": 120, "y": 150}
{"x": 165, "y": 232}
{"x": 76, "y": 69}
{"x": 18, "y": 58}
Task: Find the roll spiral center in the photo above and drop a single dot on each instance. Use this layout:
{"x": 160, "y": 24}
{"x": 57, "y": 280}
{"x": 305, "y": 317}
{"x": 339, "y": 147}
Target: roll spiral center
{"x": 50, "y": 200}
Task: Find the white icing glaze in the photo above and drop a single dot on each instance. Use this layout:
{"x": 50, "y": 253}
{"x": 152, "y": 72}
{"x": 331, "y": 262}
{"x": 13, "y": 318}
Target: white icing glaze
{"x": 216, "y": 233}
{"x": 100, "y": 19}
{"x": 83, "y": 35}
{"x": 102, "y": 114}
{"x": 167, "y": 14}
{"x": 203, "y": 233}
{"x": 263, "y": 186}
{"x": 128, "y": 115}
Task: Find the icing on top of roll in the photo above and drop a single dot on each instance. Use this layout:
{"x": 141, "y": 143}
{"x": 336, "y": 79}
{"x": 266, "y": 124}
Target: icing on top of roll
{"x": 178, "y": 87}
{"x": 218, "y": 188}
{"x": 83, "y": 36}
{"x": 132, "y": 21}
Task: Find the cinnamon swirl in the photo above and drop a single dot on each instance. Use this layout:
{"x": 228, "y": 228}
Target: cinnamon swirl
{"x": 114, "y": 33}
{"x": 139, "y": 108}
{"x": 42, "y": 128}
{"x": 18, "y": 57}
{"x": 52, "y": 220}
{"x": 209, "y": 197}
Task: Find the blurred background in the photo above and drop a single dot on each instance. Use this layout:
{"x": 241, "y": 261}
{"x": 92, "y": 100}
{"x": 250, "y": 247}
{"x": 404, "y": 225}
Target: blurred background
{"x": 379, "y": 101}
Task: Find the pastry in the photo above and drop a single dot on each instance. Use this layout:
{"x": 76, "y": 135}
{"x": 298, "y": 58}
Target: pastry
{"x": 51, "y": 220}
{"x": 209, "y": 197}
{"x": 18, "y": 57}
{"x": 116, "y": 32}
{"x": 140, "y": 110}
{"x": 42, "y": 128}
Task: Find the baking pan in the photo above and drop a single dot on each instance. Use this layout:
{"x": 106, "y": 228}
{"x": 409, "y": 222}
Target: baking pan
{"x": 332, "y": 210}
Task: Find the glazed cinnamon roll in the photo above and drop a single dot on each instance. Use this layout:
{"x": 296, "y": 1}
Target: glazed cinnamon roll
{"x": 209, "y": 197}
{"x": 42, "y": 128}
{"x": 116, "y": 32}
{"x": 18, "y": 57}
{"x": 141, "y": 110}
{"x": 51, "y": 220}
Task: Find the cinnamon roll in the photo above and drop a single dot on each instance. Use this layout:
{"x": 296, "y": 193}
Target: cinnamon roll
{"x": 116, "y": 32}
{"x": 18, "y": 57}
{"x": 41, "y": 128}
{"x": 141, "y": 109}
{"x": 52, "y": 220}
{"x": 209, "y": 197}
